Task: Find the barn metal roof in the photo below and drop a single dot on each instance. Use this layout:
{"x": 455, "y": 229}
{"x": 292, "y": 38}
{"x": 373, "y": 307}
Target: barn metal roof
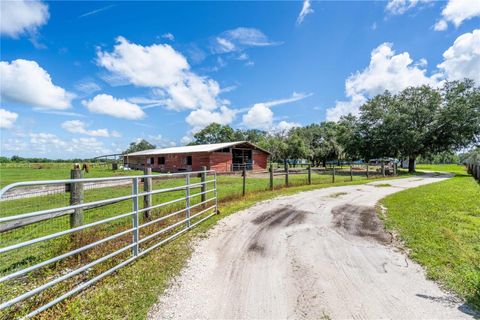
{"x": 192, "y": 149}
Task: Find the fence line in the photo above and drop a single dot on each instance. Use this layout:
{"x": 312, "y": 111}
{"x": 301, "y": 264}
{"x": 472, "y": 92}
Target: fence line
{"x": 144, "y": 232}
{"x": 474, "y": 170}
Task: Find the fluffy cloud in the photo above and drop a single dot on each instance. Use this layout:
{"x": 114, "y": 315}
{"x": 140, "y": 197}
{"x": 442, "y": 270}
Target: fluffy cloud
{"x": 306, "y": 9}
{"x": 22, "y": 16}
{"x": 401, "y": 6}
{"x": 24, "y": 81}
{"x": 165, "y": 70}
{"x": 258, "y": 117}
{"x": 386, "y": 71}
{"x": 119, "y": 108}
{"x": 462, "y": 59}
{"x": 157, "y": 65}
{"x": 201, "y": 118}
{"x": 457, "y": 11}
{"x": 77, "y": 126}
{"x": 7, "y": 118}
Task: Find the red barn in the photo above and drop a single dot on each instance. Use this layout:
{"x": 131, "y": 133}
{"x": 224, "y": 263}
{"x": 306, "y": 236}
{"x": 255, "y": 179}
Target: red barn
{"x": 221, "y": 157}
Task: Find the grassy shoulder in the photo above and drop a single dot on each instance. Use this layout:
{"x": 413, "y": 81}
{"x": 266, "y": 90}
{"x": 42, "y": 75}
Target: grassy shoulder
{"x": 131, "y": 292}
{"x": 440, "y": 224}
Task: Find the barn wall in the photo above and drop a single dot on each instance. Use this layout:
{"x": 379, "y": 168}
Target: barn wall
{"x": 221, "y": 161}
{"x": 218, "y": 161}
{"x": 260, "y": 160}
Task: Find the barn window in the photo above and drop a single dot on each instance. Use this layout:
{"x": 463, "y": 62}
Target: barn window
{"x": 152, "y": 160}
{"x": 161, "y": 160}
{"x": 189, "y": 160}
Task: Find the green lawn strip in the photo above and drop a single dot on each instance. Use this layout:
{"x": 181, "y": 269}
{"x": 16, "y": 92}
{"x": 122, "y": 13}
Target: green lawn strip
{"x": 130, "y": 292}
{"x": 452, "y": 168}
{"x": 440, "y": 224}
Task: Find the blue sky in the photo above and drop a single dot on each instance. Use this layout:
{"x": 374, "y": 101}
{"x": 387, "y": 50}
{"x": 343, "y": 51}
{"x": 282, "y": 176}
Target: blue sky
{"x": 81, "y": 79}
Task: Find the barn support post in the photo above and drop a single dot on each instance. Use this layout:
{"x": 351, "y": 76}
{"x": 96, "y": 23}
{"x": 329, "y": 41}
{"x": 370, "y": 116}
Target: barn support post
{"x": 271, "y": 176}
{"x": 333, "y": 174}
{"x": 203, "y": 178}
{"x": 286, "y": 174}
{"x": 76, "y": 197}
{"x": 309, "y": 174}
{"x": 351, "y": 173}
{"x": 244, "y": 179}
{"x": 147, "y": 187}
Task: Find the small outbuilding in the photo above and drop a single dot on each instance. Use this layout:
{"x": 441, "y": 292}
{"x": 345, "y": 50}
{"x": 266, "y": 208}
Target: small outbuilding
{"x": 221, "y": 157}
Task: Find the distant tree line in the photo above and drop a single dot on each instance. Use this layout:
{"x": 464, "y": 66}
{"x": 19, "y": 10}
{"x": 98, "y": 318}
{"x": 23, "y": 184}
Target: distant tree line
{"x": 18, "y": 159}
{"x": 419, "y": 123}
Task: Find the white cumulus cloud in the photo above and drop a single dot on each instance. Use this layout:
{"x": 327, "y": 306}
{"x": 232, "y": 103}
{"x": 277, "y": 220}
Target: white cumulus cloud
{"x": 119, "y": 108}
{"x": 7, "y": 118}
{"x": 165, "y": 70}
{"x": 24, "y": 81}
{"x": 462, "y": 59}
{"x": 201, "y": 118}
{"x": 258, "y": 117}
{"x": 386, "y": 71}
{"x": 80, "y": 127}
{"x": 398, "y": 7}
{"x": 458, "y": 11}
{"x": 22, "y": 16}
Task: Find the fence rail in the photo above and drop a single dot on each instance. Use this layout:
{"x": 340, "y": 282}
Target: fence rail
{"x": 151, "y": 225}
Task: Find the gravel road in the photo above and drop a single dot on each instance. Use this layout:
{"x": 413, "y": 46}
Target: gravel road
{"x": 321, "y": 254}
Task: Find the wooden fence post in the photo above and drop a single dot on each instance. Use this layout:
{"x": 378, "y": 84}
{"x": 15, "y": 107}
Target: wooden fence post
{"x": 351, "y": 173}
{"x": 309, "y": 171}
{"x": 286, "y": 174}
{"x": 203, "y": 178}
{"x": 394, "y": 168}
{"x": 244, "y": 178}
{"x": 271, "y": 176}
{"x": 333, "y": 174}
{"x": 76, "y": 197}
{"x": 147, "y": 187}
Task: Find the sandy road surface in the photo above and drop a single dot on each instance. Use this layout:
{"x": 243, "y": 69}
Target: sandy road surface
{"x": 317, "y": 254}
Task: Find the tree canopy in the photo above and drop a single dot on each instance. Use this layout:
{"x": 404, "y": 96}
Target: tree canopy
{"x": 139, "y": 146}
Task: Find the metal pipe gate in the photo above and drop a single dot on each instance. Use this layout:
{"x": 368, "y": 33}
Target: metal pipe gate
{"x": 184, "y": 219}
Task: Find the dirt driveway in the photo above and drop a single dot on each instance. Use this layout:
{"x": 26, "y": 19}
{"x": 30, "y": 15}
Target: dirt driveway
{"x": 317, "y": 254}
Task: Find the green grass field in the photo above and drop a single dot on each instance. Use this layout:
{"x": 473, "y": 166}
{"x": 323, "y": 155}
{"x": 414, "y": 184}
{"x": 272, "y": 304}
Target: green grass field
{"x": 440, "y": 224}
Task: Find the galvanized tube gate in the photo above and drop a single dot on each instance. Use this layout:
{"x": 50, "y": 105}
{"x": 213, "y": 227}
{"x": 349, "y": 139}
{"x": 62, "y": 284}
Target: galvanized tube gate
{"x": 146, "y": 235}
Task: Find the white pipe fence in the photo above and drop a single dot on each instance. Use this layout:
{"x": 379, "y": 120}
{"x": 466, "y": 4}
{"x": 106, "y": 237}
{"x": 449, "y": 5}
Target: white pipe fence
{"x": 145, "y": 233}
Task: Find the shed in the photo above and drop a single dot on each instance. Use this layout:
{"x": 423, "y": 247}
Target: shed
{"x": 221, "y": 157}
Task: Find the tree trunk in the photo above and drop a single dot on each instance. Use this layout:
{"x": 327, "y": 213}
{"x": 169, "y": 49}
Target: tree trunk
{"x": 324, "y": 163}
{"x": 285, "y": 165}
{"x": 411, "y": 164}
